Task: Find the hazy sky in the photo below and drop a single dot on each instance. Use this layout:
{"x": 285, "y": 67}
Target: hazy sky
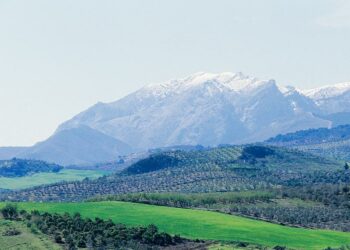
{"x": 60, "y": 57}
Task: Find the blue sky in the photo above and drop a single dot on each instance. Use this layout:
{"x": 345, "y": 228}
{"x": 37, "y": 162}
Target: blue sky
{"x": 60, "y": 57}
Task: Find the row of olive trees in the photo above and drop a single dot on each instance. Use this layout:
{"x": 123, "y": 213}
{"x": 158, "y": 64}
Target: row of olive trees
{"x": 76, "y": 232}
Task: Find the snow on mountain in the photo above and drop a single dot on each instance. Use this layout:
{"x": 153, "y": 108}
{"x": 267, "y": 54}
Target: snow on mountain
{"x": 298, "y": 100}
{"x": 328, "y": 91}
{"x": 332, "y": 98}
{"x": 204, "y": 108}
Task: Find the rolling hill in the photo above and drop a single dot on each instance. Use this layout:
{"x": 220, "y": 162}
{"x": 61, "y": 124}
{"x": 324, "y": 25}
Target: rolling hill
{"x": 229, "y": 168}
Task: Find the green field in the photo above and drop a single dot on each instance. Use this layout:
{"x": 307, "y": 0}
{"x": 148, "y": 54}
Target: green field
{"x": 200, "y": 224}
{"x": 48, "y": 178}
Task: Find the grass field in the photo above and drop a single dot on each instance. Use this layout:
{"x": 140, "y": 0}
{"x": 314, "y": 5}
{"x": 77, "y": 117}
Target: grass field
{"x": 27, "y": 240}
{"x": 200, "y": 224}
{"x": 48, "y": 178}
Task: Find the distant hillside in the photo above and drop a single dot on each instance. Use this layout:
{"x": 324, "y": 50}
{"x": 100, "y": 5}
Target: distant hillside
{"x": 338, "y": 150}
{"x": 233, "y": 158}
{"x": 312, "y": 136}
{"x": 334, "y": 142}
{"x": 124, "y": 161}
{"x": 337, "y": 119}
{"x": 20, "y": 167}
{"x": 232, "y": 168}
{"x": 10, "y": 152}
{"x": 76, "y": 146}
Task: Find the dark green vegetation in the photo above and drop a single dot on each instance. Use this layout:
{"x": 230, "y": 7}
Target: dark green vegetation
{"x": 334, "y": 142}
{"x": 76, "y": 232}
{"x": 211, "y": 201}
{"x": 221, "y": 169}
{"x": 20, "y": 167}
{"x": 195, "y": 224}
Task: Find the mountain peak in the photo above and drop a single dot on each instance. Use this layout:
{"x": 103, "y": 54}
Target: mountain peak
{"x": 328, "y": 91}
{"x": 220, "y": 77}
{"x": 225, "y": 80}
{"x": 203, "y": 108}
{"x": 331, "y": 98}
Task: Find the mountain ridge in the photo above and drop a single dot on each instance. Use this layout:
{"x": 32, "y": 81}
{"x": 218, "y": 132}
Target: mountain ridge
{"x": 207, "y": 109}
{"x": 231, "y": 92}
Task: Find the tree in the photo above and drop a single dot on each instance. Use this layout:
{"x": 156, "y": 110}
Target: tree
{"x": 81, "y": 243}
{"x": 149, "y": 234}
{"x": 10, "y": 212}
{"x": 69, "y": 241}
{"x": 58, "y": 238}
{"x": 279, "y": 248}
{"x": 11, "y": 232}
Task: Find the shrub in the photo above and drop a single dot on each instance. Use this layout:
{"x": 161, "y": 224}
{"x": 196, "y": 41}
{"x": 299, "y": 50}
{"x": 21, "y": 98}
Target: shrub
{"x": 11, "y": 232}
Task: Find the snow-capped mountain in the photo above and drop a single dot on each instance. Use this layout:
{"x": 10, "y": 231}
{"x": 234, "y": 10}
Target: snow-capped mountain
{"x": 204, "y": 108}
{"x": 207, "y": 109}
{"x": 332, "y": 98}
